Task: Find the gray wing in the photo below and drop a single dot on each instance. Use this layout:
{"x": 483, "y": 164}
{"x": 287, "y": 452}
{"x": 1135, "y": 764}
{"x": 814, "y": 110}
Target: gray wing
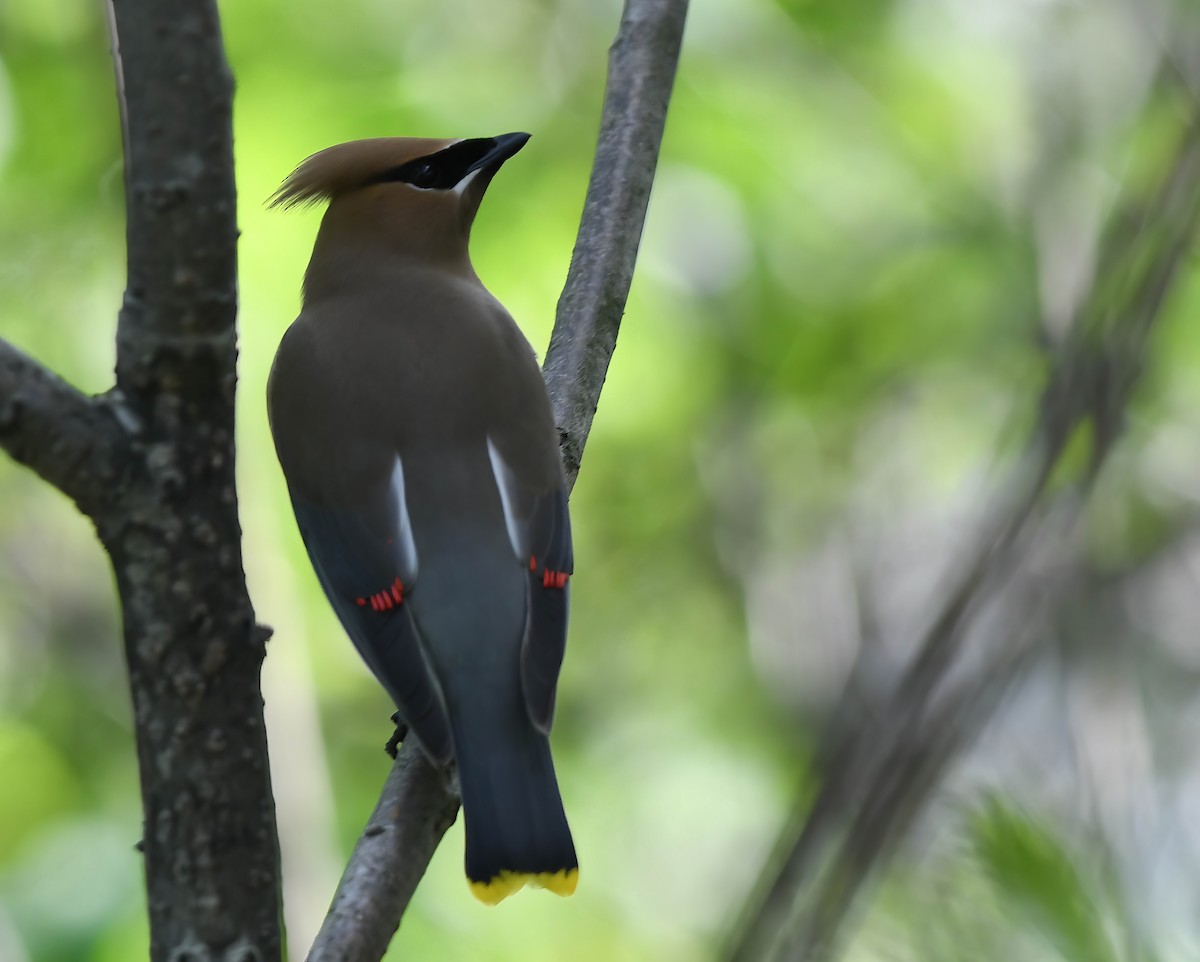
{"x": 539, "y": 527}
{"x": 366, "y": 561}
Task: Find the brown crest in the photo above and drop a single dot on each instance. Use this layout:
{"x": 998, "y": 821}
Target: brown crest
{"x": 350, "y": 166}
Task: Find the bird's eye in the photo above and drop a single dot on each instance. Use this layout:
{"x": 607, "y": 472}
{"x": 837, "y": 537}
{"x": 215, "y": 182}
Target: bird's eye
{"x": 423, "y": 174}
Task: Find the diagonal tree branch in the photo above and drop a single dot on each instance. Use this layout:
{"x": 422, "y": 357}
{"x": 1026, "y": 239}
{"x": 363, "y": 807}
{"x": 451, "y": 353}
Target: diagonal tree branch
{"x": 642, "y": 66}
{"x": 71, "y": 440}
{"x": 414, "y": 810}
{"x": 416, "y": 807}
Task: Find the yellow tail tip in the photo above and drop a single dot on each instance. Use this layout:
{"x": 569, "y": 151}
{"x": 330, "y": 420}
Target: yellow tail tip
{"x": 499, "y": 887}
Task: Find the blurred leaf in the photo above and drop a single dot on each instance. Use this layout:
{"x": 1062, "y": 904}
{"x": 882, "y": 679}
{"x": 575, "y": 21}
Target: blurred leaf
{"x": 47, "y": 788}
{"x": 1043, "y": 885}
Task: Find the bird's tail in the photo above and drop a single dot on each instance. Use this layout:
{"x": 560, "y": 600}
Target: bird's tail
{"x": 517, "y": 832}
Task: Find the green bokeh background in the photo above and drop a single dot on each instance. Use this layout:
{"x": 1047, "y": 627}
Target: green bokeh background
{"x": 869, "y": 217}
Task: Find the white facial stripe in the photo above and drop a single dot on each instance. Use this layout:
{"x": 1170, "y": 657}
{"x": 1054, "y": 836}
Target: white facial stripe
{"x": 461, "y": 186}
{"x": 408, "y": 546}
{"x": 504, "y": 480}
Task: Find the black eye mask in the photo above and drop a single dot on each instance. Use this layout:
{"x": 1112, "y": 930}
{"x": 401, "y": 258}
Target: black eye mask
{"x": 445, "y": 169}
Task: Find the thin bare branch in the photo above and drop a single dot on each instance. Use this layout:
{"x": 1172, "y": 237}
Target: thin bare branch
{"x": 641, "y": 74}
{"x": 382, "y": 873}
{"x": 416, "y": 808}
{"x": 70, "y": 439}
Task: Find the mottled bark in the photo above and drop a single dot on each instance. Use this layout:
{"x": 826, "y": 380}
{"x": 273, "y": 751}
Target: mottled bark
{"x": 151, "y": 462}
{"x": 416, "y": 808}
{"x": 73, "y": 441}
{"x": 192, "y": 646}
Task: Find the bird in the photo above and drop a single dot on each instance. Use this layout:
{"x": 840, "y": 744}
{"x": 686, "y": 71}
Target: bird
{"x": 421, "y": 457}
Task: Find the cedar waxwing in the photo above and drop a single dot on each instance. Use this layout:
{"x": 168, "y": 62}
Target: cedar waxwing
{"x": 421, "y": 455}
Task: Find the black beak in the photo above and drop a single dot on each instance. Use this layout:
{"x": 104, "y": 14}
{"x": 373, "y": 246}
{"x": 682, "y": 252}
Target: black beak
{"x": 502, "y": 148}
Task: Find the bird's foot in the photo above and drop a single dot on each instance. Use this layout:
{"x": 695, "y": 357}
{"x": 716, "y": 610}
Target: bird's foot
{"x": 393, "y": 744}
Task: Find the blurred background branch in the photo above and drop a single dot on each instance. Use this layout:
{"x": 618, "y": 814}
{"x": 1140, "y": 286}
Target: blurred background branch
{"x": 417, "y": 806}
{"x": 879, "y": 762}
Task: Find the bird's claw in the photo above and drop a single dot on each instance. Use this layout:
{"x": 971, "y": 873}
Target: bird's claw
{"x": 393, "y": 743}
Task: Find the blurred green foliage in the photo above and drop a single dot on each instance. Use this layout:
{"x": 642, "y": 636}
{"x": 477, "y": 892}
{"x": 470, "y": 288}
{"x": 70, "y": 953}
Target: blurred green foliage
{"x": 1045, "y": 887}
{"x": 870, "y": 218}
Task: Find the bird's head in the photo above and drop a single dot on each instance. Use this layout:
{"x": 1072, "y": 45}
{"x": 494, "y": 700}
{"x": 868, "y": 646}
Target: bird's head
{"x": 410, "y": 195}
